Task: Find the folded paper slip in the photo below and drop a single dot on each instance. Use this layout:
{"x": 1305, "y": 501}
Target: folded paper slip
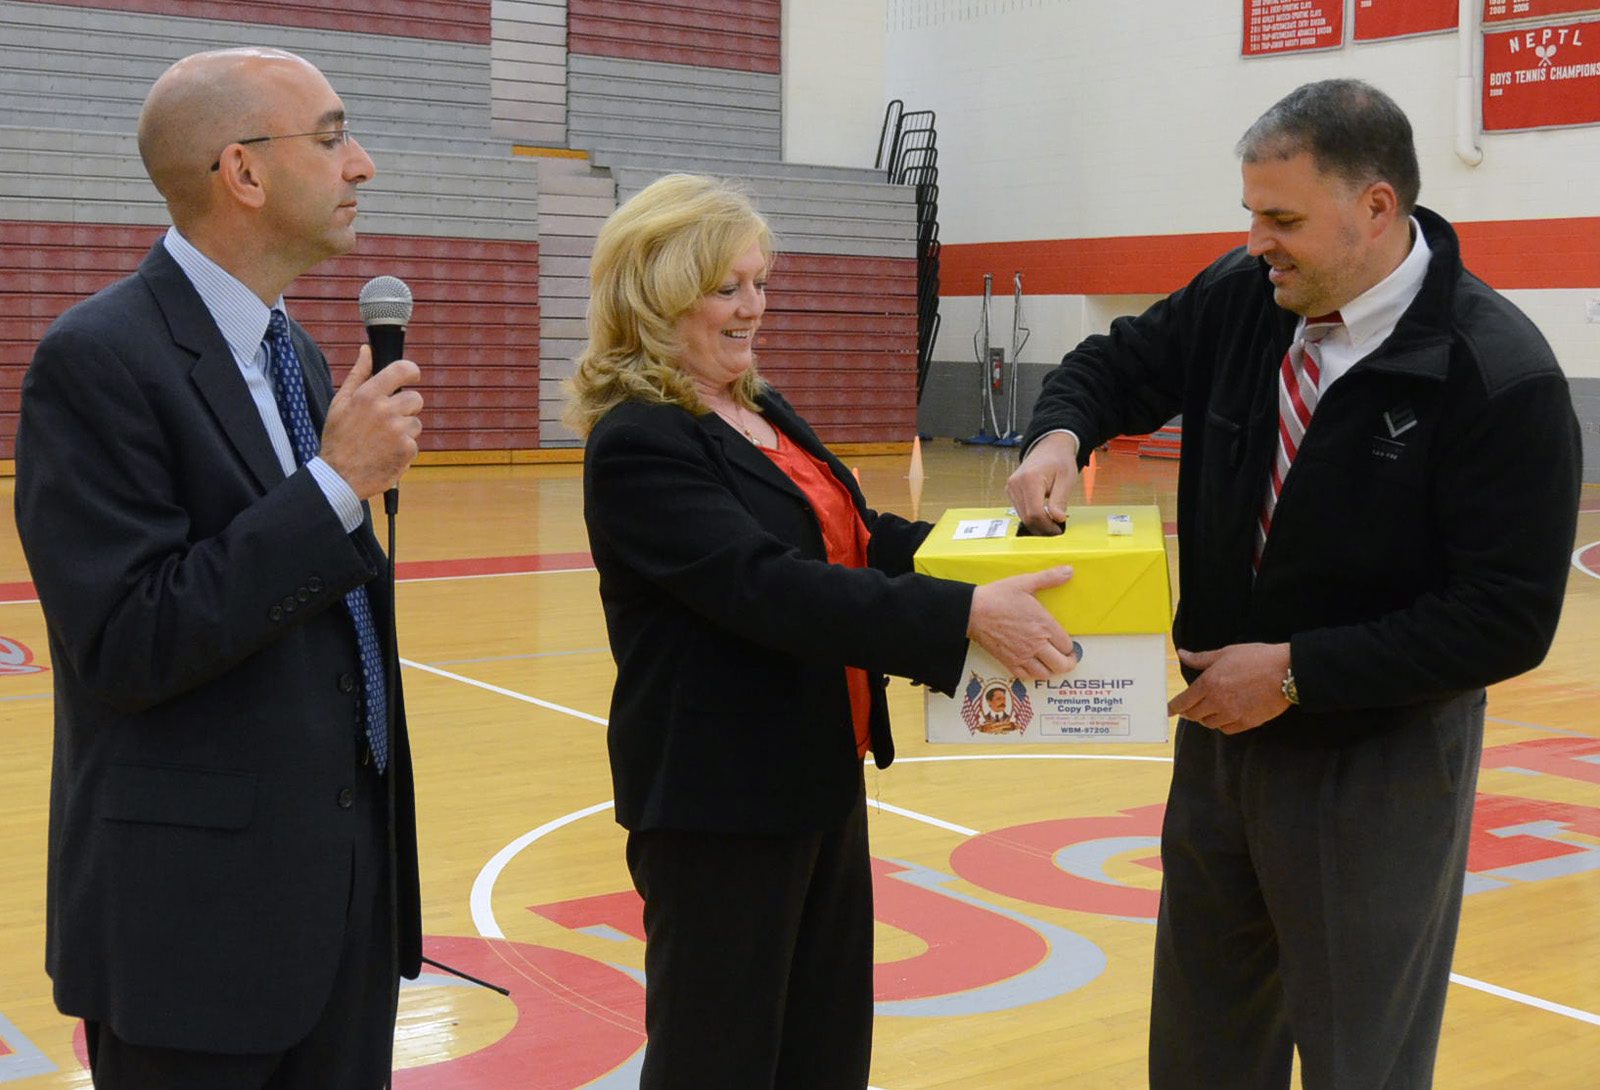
{"x": 1117, "y": 608}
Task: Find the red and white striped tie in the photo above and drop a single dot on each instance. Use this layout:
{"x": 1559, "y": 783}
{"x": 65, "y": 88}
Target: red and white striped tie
{"x": 1299, "y": 377}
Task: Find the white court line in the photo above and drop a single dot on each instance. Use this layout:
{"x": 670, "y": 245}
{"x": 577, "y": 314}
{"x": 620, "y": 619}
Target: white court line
{"x": 483, "y": 885}
{"x": 1527, "y": 1000}
{"x": 924, "y": 818}
{"x": 512, "y": 693}
{"x": 1580, "y": 565}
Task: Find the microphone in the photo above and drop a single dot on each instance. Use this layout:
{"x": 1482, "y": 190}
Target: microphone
{"x": 386, "y": 309}
{"x": 385, "y": 303}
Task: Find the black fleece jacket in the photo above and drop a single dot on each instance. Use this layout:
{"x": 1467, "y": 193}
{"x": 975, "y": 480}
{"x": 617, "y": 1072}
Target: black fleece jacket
{"x": 1408, "y": 562}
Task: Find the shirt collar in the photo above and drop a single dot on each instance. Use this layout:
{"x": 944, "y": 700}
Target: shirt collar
{"x": 1370, "y": 317}
{"x": 239, "y": 313}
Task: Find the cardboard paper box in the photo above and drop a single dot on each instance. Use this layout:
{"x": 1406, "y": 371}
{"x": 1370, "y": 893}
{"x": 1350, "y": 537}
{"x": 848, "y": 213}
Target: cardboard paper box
{"x": 1117, "y": 607}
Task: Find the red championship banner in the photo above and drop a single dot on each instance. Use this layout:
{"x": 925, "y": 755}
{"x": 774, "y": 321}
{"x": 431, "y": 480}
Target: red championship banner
{"x": 1292, "y": 26}
{"x": 1505, "y": 11}
{"x": 1541, "y": 77}
{"x": 1380, "y": 19}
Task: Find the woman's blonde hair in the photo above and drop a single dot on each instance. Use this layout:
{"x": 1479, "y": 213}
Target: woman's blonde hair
{"x": 670, "y": 244}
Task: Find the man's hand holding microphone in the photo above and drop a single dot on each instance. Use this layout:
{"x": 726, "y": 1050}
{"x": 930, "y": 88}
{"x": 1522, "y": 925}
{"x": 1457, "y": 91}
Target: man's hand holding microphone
{"x": 375, "y": 419}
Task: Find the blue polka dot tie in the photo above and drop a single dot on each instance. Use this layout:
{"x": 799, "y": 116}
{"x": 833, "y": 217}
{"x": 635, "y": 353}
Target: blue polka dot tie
{"x": 289, "y": 388}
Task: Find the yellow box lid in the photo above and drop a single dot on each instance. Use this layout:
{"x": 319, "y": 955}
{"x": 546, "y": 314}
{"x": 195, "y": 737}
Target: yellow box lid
{"x": 1119, "y": 584}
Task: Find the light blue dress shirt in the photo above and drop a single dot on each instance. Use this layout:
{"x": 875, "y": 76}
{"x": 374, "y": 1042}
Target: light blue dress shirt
{"x": 242, "y": 318}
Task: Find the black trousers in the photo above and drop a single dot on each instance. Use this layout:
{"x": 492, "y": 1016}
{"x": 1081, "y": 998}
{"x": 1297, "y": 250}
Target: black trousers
{"x": 758, "y": 958}
{"x": 1310, "y": 899}
{"x": 351, "y": 1045}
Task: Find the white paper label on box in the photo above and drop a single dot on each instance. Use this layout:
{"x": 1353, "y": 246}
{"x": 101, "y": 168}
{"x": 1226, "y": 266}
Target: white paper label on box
{"x": 970, "y": 529}
{"x": 1118, "y": 693}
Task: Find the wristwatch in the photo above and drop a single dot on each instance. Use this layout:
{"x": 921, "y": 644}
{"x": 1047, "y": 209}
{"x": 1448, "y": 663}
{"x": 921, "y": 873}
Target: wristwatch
{"x": 1291, "y": 692}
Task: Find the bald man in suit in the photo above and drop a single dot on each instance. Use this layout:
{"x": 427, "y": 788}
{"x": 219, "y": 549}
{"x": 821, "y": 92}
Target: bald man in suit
{"x": 232, "y": 890}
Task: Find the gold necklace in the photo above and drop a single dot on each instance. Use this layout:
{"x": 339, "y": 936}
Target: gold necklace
{"x": 738, "y": 422}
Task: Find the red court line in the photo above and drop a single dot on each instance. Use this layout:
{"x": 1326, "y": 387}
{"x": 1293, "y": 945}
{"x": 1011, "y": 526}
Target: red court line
{"x": 415, "y": 569}
{"x": 507, "y": 565}
{"x": 491, "y": 565}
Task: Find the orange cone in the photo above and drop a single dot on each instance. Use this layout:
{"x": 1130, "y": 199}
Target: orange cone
{"x": 916, "y": 477}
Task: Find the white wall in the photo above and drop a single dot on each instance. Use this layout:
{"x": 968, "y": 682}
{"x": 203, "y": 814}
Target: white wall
{"x": 833, "y": 100}
{"x": 1093, "y": 118}
{"x": 1054, "y": 322}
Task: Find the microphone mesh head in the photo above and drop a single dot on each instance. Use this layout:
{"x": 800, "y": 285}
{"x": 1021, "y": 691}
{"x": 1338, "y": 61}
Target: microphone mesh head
{"x": 385, "y": 300}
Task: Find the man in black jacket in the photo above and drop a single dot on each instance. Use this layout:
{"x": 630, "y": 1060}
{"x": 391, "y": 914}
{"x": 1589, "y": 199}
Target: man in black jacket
{"x": 1376, "y": 504}
{"x": 232, "y": 863}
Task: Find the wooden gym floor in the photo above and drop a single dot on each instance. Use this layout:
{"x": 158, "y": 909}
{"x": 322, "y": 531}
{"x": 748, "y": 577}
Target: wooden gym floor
{"x": 1016, "y": 886}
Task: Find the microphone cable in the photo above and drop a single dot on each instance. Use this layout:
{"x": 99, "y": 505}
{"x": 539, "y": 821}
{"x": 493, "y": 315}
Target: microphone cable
{"x": 386, "y": 306}
{"x": 391, "y": 682}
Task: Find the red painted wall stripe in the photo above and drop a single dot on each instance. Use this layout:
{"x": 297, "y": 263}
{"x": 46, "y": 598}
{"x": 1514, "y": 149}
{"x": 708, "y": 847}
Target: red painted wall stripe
{"x": 439, "y": 20}
{"x": 1508, "y": 254}
{"x": 1532, "y": 254}
{"x": 738, "y": 34}
{"x": 1128, "y": 265}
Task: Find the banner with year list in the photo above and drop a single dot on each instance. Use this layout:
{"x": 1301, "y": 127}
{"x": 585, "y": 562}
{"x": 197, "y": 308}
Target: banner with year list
{"x": 1291, "y": 26}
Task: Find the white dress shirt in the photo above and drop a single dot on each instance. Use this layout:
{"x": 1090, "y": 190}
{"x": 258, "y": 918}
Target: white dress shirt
{"x": 1370, "y": 317}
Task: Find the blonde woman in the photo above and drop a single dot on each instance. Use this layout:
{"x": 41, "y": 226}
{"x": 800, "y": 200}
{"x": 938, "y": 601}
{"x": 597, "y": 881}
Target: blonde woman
{"x": 754, "y": 604}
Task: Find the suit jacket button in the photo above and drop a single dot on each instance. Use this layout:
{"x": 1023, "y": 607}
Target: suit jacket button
{"x": 302, "y": 595}
{"x": 346, "y": 798}
{"x": 275, "y": 613}
{"x": 289, "y": 604}
{"x": 347, "y": 683}
{"x": 314, "y": 584}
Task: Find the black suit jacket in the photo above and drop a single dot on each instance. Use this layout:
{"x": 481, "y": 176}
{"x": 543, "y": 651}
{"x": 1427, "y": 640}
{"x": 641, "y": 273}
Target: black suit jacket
{"x": 731, "y": 631}
{"x": 199, "y": 860}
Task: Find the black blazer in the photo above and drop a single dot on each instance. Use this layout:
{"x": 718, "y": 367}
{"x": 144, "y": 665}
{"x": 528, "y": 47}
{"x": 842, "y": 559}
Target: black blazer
{"x": 199, "y": 860}
{"x": 731, "y": 631}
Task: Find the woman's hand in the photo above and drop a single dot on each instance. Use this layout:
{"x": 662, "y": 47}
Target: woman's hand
{"x": 1008, "y": 622}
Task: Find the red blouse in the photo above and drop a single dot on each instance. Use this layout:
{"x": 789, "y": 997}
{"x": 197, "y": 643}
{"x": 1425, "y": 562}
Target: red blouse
{"x": 845, "y": 536}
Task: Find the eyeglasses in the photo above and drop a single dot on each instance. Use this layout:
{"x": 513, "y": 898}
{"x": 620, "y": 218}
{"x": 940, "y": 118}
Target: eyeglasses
{"x": 335, "y": 137}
